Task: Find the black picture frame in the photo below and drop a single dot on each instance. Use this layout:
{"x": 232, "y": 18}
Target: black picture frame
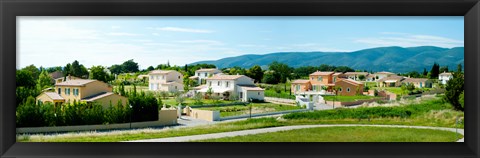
{"x": 9, "y": 9}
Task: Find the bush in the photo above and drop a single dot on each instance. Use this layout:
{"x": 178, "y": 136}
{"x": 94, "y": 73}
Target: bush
{"x": 144, "y": 107}
{"x": 371, "y": 112}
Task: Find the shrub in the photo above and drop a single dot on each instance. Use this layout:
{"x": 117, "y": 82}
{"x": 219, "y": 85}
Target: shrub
{"x": 371, "y": 112}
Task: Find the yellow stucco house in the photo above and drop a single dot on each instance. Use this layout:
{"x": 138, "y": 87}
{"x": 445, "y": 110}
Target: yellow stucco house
{"x": 90, "y": 91}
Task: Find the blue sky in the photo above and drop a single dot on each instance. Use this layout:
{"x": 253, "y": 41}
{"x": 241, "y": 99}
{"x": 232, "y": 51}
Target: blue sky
{"x": 55, "y": 41}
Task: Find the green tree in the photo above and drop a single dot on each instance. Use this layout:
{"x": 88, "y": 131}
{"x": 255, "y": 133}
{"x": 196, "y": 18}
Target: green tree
{"x": 425, "y": 72}
{"x": 98, "y": 73}
{"x": 53, "y": 69}
{"x": 24, "y": 78}
{"x": 33, "y": 70}
{"x": 344, "y": 69}
{"x": 461, "y": 99}
{"x": 130, "y": 66}
{"x": 116, "y": 69}
{"x": 454, "y": 88}
{"x": 44, "y": 81}
{"x": 361, "y": 77}
{"x": 197, "y": 98}
{"x": 269, "y": 78}
{"x": 280, "y": 71}
{"x": 255, "y": 73}
{"x": 150, "y": 68}
{"x": 434, "y": 71}
{"x": 209, "y": 92}
{"x": 443, "y": 69}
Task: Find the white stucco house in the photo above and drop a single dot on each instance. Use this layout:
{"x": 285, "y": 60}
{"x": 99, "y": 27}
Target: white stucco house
{"x": 383, "y": 74}
{"x": 225, "y": 85}
{"x": 202, "y": 74}
{"x": 165, "y": 80}
{"x": 355, "y": 75}
{"x": 444, "y": 77}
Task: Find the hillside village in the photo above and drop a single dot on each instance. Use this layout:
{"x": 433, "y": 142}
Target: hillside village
{"x": 166, "y": 95}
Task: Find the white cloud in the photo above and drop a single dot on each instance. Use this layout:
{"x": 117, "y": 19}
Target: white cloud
{"x": 409, "y": 40}
{"x": 180, "y": 29}
{"x": 122, "y": 34}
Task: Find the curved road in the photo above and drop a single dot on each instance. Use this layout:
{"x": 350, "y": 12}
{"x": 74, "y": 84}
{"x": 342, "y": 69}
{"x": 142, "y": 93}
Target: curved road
{"x": 282, "y": 128}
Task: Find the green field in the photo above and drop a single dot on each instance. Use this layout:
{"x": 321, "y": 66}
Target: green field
{"x": 371, "y": 84}
{"x": 348, "y": 98}
{"x": 236, "y": 110}
{"x": 282, "y": 94}
{"x": 347, "y": 134}
{"x": 396, "y": 90}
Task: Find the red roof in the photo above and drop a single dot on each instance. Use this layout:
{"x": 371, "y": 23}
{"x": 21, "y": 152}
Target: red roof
{"x": 320, "y": 73}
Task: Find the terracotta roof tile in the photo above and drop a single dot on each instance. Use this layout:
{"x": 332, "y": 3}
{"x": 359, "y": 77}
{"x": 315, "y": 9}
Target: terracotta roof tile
{"x": 322, "y": 73}
{"x": 76, "y": 82}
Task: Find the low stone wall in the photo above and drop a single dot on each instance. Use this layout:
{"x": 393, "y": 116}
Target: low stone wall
{"x": 280, "y": 100}
{"x": 353, "y": 102}
{"x": 203, "y": 114}
{"x": 166, "y": 117}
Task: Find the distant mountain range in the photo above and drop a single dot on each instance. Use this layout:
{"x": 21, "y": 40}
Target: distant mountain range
{"x": 393, "y": 59}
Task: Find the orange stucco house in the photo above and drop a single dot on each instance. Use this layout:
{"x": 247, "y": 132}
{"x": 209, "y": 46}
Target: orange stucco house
{"x": 326, "y": 81}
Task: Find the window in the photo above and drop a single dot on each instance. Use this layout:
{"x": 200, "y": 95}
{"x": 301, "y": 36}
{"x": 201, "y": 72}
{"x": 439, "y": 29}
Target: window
{"x": 178, "y": 77}
{"x": 348, "y": 89}
{"x": 320, "y": 78}
{"x": 226, "y": 85}
{"x": 67, "y": 91}
{"x": 163, "y": 77}
{"x": 218, "y": 83}
{"x": 334, "y": 79}
{"x": 340, "y": 89}
{"x": 151, "y": 77}
{"x": 209, "y": 83}
{"x": 59, "y": 91}
{"x": 198, "y": 74}
{"x": 297, "y": 87}
{"x": 205, "y": 74}
{"x": 241, "y": 94}
{"x": 175, "y": 87}
{"x": 75, "y": 91}
{"x": 312, "y": 78}
{"x": 158, "y": 77}
{"x": 258, "y": 93}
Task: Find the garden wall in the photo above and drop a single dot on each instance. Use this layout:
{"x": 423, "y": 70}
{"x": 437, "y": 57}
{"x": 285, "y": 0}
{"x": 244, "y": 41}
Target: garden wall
{"x": 203, "y": 114}
{"x": 166, "y": 117}
{"x": 353, "y": 102}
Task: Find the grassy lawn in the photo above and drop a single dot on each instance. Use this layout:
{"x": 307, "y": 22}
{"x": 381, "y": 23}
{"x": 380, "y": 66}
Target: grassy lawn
{"x": 282, "y": 94}
{"x": 348, "y": 98}
{"x": 396, "y": 90}
{"x": 236, "y": 110}
{"x": 347, "y": 134}
{"x": 150, "y": 134}
{"x": 432, "y": 113}
{"x": 371, "y": 84}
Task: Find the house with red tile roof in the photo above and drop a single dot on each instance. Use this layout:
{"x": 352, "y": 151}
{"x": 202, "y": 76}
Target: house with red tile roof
{"x": 90, "y": 91}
